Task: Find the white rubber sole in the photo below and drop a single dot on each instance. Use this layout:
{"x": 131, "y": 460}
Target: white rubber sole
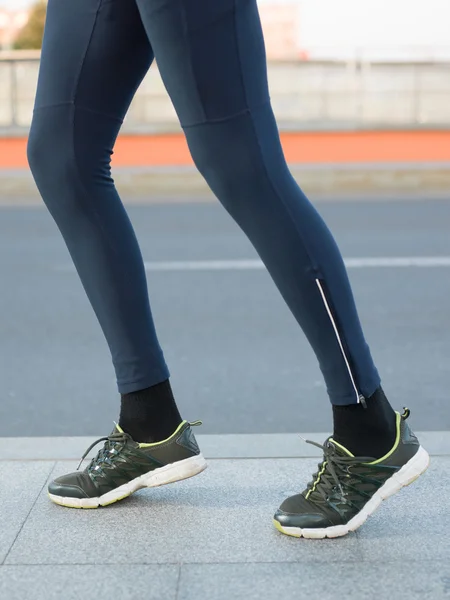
{"x": 417, "y": 465}
{"x": 177, "y": 471}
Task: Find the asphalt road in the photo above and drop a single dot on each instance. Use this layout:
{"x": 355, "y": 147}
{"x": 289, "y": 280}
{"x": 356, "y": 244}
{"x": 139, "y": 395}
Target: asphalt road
{"x": 238, "y": 359}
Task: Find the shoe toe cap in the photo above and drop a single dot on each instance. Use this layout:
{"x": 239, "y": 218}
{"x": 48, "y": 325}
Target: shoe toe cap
{"x": 296, "y": 511}
{"x": 302, "y": 521}
{"x": 73, "y": 485}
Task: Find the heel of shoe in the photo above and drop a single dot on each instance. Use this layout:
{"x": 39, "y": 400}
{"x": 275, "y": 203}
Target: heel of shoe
{"x": 414, "y": 468}
{"x": 411, "y": 471}
{"x": 182, "y": 469}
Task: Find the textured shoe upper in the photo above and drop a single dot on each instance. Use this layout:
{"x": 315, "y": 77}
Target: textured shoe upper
{"x": 121, "y": 459}
{"x": 343, "y": 483}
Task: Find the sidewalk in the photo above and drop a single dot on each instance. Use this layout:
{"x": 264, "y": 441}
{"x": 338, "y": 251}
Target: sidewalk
{"x": 211, "y": 537}
{"x": 146, "y": 185}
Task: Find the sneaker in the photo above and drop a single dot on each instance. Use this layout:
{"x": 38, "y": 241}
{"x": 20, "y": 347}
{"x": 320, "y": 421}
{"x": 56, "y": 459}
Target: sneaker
{"x": 347, "y": 489}
{"x": 124, "y": 466}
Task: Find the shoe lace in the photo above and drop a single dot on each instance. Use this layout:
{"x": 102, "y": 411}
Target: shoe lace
{"x": 331, "y": 471}
{"x": 333, "y": 474}
{"x": 113, "y": 445}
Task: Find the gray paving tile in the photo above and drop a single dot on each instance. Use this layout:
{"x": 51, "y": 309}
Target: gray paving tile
{"x": 265, "y": 445}
{"x": 20, "y": 484}
{"x": 230, "y": 445}
{"x": 72, "y": 582}
{"x": 259, "y": 445}
{"x": 223, "y": 515}
{"x": 335, "y": 581}
{"x": 44, "y": 448}
{"x": 415, "y": 522}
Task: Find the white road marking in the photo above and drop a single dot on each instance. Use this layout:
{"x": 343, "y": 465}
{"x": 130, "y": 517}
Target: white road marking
{"x": 205, "y": 265}
{"x": 257, "y": 265}
{"x": 253, "y": 265}
{"x": 398, "y": 261}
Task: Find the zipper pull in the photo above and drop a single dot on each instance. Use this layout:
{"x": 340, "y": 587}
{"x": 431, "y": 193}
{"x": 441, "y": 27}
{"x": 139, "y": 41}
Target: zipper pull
{"x": 362, "y": 400}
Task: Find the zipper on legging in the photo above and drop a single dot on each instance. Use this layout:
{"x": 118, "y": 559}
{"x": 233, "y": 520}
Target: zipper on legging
{"x": 359, "y": 397}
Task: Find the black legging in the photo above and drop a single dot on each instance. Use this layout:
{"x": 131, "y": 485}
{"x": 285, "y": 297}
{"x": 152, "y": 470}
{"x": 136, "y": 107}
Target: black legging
{"x": 211, "y": 57}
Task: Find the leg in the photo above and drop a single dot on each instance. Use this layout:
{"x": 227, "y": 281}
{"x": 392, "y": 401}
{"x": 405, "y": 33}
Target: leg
{"x": 95, "y": 54}
{"x": 211, "y": 57}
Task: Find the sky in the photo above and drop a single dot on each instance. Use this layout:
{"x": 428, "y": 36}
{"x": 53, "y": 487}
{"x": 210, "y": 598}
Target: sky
{"x": 17, "y": 4}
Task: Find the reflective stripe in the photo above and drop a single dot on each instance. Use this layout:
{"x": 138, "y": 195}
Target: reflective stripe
{"x": 359, "y": 397}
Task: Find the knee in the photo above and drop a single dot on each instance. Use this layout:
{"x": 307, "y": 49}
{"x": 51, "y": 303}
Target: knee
{"x": 49, "y": 153}
{"x": 227, "y": 160}
{"x": 49, "y": 146}
{"x": 65, "y": 159}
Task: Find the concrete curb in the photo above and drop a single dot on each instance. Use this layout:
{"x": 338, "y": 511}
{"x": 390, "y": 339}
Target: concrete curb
{"x": 223, "y": 446}
{"x": 18, "y": 187}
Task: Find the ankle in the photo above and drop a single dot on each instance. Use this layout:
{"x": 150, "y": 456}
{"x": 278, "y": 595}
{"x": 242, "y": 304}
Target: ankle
{"x": 150, "y": 415}
{"x": 366, "y": 431}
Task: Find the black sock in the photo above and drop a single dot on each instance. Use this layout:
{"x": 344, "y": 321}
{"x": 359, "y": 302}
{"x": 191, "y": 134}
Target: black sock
{"x": 150, "y": 415}
{"x": 367, "y": 431}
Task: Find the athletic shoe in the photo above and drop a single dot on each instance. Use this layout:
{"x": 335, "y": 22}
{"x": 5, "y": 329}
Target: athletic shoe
{"x": 124, "y": 466}
{"x": 347, "y": 489}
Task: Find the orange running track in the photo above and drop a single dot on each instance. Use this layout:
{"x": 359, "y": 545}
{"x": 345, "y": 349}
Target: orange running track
{"x": 299, "y": 147}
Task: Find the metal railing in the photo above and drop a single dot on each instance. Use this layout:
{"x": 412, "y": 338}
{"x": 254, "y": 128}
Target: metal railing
{"x": 305, "y": 95}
